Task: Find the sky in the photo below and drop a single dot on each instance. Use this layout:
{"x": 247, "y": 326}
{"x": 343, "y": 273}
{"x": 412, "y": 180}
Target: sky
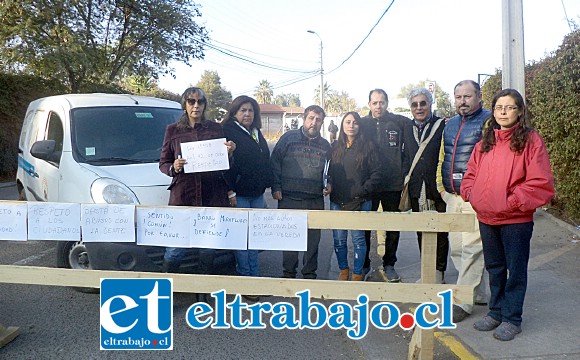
{"x": 440, "y": 40}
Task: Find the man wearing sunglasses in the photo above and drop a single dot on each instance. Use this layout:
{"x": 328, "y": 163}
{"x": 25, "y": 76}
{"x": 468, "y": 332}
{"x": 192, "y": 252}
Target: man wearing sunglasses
{"x": 461, "y": 134}
{"x": 425, "y": 130}
{"x": 386, "y": 129}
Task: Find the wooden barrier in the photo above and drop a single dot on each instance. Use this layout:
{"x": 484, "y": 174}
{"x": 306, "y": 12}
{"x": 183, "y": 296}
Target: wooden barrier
{"x": 422, "y": 343}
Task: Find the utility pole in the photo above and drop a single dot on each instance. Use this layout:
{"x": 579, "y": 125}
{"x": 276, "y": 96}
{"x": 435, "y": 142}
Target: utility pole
{"x": 513, "y": 46}
{"x": 321, "y": 71}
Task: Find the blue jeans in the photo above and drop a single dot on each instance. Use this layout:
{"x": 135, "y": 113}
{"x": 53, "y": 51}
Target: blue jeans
{"x": 506, "y": 250}
{"x": 358, "y": 242}
{"x": 247, "y": 260}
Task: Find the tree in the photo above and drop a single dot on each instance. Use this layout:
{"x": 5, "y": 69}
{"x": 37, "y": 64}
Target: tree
{"x": 340, "y": 103}
{"x": 264, "y": 92}
{"x": 98, "y": 41}
{"x": 218, "y": 98}
{"x": 444, "y": 105}
{"x": 327, "y": 91}
{"x": 287, "y": 99}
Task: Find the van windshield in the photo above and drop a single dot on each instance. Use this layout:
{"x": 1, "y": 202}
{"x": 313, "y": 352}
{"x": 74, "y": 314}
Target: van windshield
{"x": 119, "y": 135}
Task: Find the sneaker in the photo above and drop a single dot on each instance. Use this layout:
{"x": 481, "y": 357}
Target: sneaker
{"x": 459, "y": 314}
{"x": 366, "y": 270}
{"x": 506, "y": 331}
{"x": 391, "y": 274}
{"x": 287, "y": 275}
{"x": 486, "y": 324}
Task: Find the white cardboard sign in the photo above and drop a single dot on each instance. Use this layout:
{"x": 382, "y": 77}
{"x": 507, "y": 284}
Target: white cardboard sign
{"x": 219, "y": 229}
{"x": 54, "y": 221}
{"x": 206, "y": 155}
{"x": 108, "y": 222}
{"x": 13, "y": 221}
{"x": 270, "y": 230}
{"x": 163, "y": 226}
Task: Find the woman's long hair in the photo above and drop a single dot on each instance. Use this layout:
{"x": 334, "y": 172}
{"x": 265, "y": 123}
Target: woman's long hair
{"x": 523, "y": 124}
{"x": 237, "y": 104}
{"x": 362, "y": 147}
{"x": 183, "y": 122}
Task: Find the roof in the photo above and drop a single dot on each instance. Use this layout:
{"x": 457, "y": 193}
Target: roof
{"x": 100, "y": 99}
{"x": 271, "y": 109}
{"x": 293, "y": 109}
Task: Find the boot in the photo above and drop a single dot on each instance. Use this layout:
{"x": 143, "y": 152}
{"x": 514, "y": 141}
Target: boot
{"x": 344, "y": 274}
{"x": 170, "y": 266}
{"x": 357, "y": 277}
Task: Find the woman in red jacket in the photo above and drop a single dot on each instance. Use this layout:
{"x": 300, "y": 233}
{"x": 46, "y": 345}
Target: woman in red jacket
{"x": 508, "y": 176}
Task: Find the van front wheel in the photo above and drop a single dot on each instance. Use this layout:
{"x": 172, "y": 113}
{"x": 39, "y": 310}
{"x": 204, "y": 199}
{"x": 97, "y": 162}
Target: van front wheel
{"x": 73, "y": 255}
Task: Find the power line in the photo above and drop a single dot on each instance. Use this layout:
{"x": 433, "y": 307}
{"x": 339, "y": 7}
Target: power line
{"x": 363, "y": 40}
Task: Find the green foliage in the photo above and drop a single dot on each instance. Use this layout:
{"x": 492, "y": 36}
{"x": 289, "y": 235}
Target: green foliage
{"x": 219, "y": 99}
{"x": 287, "y": 99}
{"x": 16, "y": 92}
{"x": 264, "y": 92}
{"x": 491, "y": 86}
{"x": 444, "y": 105}
{"x": 340, "y": 103}
{"x": 98, "y": 41}
{"x": 553, "y": 98}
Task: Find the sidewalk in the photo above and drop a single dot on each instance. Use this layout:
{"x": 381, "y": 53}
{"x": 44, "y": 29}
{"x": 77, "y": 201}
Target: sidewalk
{"x": 550, "y": 327}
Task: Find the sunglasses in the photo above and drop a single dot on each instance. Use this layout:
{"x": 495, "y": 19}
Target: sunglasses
{"x": 415, "y": 104}
{"x": 192, "y": 102}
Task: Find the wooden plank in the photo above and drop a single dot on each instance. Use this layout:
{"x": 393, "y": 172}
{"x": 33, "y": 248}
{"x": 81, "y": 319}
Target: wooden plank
{"x": 322, "y": 289}
{"x": 7, "y": 334}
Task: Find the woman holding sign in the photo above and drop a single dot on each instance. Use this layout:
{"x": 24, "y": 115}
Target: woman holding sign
{"x": 356, "y": 172}
{"x": 206, "y": 189}
{"x": 250, "y": 173}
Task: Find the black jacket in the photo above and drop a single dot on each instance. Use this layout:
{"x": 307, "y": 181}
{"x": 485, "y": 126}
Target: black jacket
{"x": 351, "y": 179}
{"x": 426, "y": 168}
{"x": 388, "y": 135}
{"x": 250, "y": 173}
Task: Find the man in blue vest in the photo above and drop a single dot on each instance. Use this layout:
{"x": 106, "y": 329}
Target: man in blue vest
{"x": 461, "y": 134}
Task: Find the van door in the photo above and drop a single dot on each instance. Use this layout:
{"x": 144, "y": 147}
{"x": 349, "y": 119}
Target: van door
{"x": 43, "y": 182}
{"x": 48, "y": 171}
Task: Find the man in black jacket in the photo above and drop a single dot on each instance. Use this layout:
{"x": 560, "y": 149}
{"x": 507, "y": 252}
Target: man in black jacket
{"x": 298, "y": 164}
{"x": 423, "y": 185}
{"x": 386, "y": 129}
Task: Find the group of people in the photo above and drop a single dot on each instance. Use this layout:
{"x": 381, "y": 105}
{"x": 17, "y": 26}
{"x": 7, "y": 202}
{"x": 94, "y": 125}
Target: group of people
{"x": 490, "y": 163}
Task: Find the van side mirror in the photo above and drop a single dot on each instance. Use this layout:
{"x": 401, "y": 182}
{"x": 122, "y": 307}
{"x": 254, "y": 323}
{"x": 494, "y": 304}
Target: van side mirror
{"x": 43, "y": 149}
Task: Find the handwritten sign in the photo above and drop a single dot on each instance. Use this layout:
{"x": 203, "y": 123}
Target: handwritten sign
{"x": 163, "y": 226}
{"x": 219, "y": 229}
{"x": 13, "y": 221}
{"x": 207, "y": 155}
{"x": 108, "y": 223}
{"x": 54, "y": 221}
{"x": 270, "y": 230}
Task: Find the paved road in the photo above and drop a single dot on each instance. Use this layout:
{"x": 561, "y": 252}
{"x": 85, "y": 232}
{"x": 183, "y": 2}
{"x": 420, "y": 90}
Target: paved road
{"x": 58, "y": 322}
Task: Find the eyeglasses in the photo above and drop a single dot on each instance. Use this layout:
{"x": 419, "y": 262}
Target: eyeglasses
{"x": 507, "y": 108}
{"x": 192, "y": 102}
{"x": 415, "y": 104}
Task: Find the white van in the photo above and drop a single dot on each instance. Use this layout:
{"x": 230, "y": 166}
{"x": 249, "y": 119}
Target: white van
{"x": 98, "y": 148}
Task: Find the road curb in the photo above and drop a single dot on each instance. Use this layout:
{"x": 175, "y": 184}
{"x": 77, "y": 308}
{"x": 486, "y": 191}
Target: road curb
{"x": 560, "y": 223}
{"x": 7, "y": 184}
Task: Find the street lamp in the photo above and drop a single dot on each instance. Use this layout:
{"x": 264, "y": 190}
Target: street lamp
{"x": 321, "y": 71}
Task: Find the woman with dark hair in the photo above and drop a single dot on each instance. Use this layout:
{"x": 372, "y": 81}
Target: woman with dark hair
{"x": 250, "y": 173}
{"x": 191, "y": 189}
{"x": 356, "y": 173}
{"x": 508, "y": 176}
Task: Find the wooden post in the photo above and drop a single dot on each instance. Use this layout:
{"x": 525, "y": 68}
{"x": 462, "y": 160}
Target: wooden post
{"x": 7, "y": 334}
{"x": 423, "y": 341}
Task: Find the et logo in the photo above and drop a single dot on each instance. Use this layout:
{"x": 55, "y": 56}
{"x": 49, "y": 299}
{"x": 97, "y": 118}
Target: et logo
{"x": 136, "y": 314}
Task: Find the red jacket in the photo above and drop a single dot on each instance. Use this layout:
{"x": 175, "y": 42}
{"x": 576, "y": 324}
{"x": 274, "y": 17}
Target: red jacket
{"x": 505, "y": 187}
